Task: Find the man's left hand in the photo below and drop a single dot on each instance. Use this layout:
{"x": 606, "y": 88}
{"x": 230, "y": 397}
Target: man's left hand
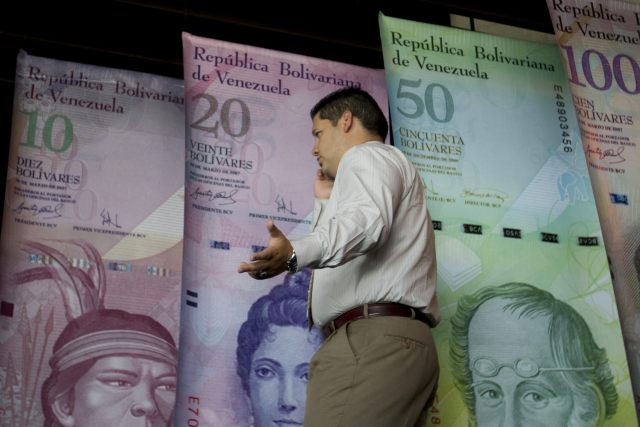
{"x": 272, "y": 260}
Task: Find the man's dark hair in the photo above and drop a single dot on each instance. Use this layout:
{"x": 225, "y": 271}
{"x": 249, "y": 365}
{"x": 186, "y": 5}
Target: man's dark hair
{"x": 361, "y": 105}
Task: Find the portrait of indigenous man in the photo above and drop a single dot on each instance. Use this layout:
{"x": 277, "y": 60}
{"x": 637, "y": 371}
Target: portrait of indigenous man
{"x": 520, "y": 357}
{"x": 273, "y": 353}
{"x": 108, "y": 367}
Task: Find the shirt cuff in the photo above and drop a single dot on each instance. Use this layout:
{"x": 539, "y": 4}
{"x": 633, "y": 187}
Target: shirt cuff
{"x": 308, "y": 251}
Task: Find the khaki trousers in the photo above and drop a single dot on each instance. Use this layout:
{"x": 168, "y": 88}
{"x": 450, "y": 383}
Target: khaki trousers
{"x": 374, "y": 372}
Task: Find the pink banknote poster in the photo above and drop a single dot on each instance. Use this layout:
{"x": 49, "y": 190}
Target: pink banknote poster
{"x": 91, "y": 250}
{"x": 245, "y": 347}
{"x": 600, "y": 46}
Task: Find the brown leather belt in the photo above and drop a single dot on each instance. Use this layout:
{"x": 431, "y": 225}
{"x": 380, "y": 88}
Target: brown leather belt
{"x": 375, "y": 310}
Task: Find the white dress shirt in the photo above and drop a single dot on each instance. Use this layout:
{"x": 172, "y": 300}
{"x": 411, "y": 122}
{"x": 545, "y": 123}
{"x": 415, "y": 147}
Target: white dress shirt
{"x": 373, "y": 240}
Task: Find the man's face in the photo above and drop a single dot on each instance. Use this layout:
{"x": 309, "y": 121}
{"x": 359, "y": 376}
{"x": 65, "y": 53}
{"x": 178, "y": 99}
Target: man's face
{"x": 327, "y": 148}
{"x": 504, "y": 354}
{"x": 279, "y": 375}
{"x": 124, "y": 391}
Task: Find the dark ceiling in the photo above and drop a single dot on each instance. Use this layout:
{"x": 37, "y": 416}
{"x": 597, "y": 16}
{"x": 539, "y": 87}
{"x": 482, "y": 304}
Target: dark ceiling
{"x": 145, "y": 35}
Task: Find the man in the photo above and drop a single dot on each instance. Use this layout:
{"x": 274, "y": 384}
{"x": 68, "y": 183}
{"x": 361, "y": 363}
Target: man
{"x": 373, "y": 292}
{"x": 523, "y": 358}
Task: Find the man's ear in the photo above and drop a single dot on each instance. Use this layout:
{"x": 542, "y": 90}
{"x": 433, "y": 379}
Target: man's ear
{"x": 63, "y": 410}
{"x": 346, "y": 121}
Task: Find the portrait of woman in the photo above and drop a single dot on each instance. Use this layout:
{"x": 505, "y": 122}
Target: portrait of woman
{"x": 273, "y": 353}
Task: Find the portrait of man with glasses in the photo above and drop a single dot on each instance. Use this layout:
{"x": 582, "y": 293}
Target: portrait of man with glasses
{"x": 521, "y": 357}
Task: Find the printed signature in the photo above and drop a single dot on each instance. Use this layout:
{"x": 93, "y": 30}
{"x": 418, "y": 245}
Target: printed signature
{"x": 430, "y": 189}
{"x": 226, "y": 198}
{"x": 44, "y": 212}
{"x": 107, "y": 220}
{"x": 610, "y": 155}
{"x": 281, "y": 203}
{"x": 497, "y": 195}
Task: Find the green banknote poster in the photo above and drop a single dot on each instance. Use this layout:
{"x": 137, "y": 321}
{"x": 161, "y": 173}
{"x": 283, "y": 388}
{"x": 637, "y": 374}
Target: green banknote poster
{"x": 530, "y": 333}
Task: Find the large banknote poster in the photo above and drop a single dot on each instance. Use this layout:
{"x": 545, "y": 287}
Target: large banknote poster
{"x": 245, "y": 347}
{"x": 91, "y": 251}
{"x": 600, "y": 45}
{"x": 530, "y": 333}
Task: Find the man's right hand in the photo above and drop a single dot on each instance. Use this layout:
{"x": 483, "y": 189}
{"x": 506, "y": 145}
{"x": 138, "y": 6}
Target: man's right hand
{"x": 322, "y": 186}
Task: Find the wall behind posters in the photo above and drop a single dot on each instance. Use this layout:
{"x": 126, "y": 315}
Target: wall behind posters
{"x": 145, "y": 35}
